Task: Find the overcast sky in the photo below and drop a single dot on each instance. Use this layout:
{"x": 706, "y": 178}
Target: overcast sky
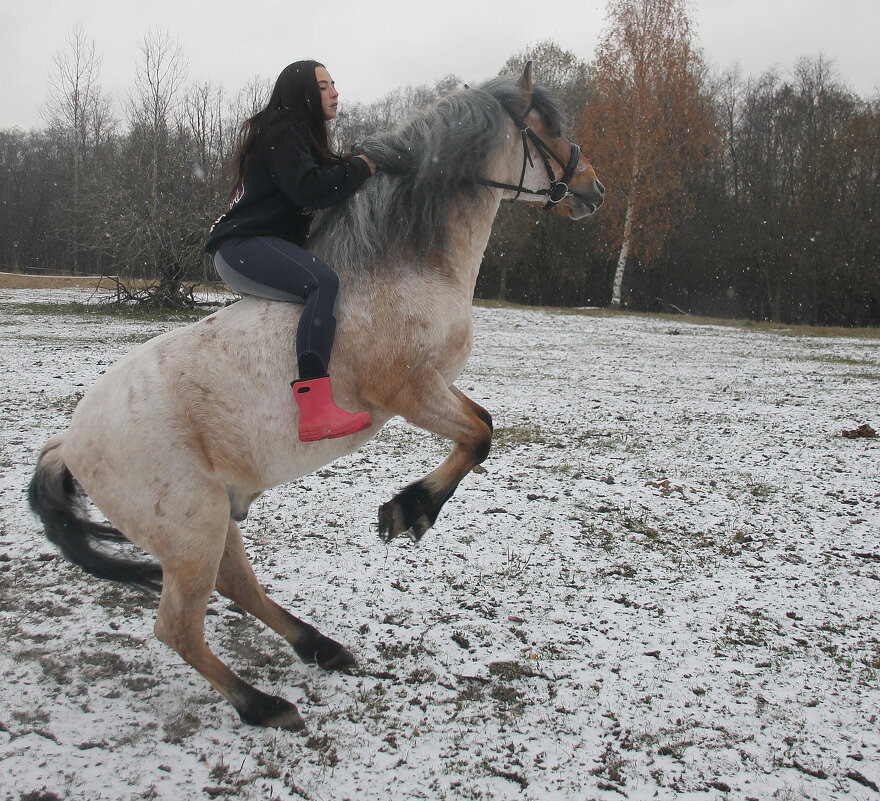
{"x": 372, "y": 47}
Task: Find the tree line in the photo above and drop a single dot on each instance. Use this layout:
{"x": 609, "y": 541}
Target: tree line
{"x": 733, "y": 196}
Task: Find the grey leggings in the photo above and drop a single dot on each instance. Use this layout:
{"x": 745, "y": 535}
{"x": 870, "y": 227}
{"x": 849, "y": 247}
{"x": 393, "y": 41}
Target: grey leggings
{"x": 273, "y": 268}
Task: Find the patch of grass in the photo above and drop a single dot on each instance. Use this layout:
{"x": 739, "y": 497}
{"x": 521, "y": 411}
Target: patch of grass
{"x": 103, "y": 310}
{"x": 325, "y": 749}
{"x": 421, "y": 675}
{"x": 514, "y": 436}
{"x": 692, "y": 319}
{"x": 567, "y": 469}
{"x": 826, "y": 358}
{"x": 56, "y": 670}
{"x": 510, "y": 671}
{"x": 119, "y": 639}
{"x": 135, "y": 734}
{"x": 105, "y": 664}
{"x": 121, "y": 598}
{"x": 752, "y": 631}
{"x": 508, "y": 698}
{"x": 675, "y": 748}
{"x": 619, "y": 570}
{"x": 68, "y": 403}
{"x": 470, "y": 694}
{"x": 611, "y": 766}
{"x": 139, "y": 684}
{"x": 394, "y": 651}
{"x": 864, "y": 376}
{"x": 181, "y": 726}
{"x": 369, "y": 703}
{"x": 637, "y": 523}
{"x": 31, "y": 717}
{"x": 20, "y": 280}
{"x": 40, "y": 795}
{"x": 260, "y": 656}
{"x": 761, "y": 491}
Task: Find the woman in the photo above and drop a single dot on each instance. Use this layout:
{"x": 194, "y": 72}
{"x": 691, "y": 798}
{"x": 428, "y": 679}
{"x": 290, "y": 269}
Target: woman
{"x": 286, "y": 168}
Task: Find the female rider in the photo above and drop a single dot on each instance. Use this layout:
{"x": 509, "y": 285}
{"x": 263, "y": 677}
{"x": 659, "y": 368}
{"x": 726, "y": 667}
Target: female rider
{"x": 286, "y": 168}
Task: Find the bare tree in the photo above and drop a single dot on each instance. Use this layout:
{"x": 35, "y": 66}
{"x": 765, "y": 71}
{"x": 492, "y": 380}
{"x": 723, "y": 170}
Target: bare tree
{"x": 561, "y": 71}
{"x": 204, "y": 115}
{"x": 155, "y": 230}
{"x": 79, "y": 114}
{"x": 249, "y": 100}
{"x": 158, "y": 81}
{"x": 357, "y": 121}
{"x": 211, "y": 136}
{"x": 245, "y": 104}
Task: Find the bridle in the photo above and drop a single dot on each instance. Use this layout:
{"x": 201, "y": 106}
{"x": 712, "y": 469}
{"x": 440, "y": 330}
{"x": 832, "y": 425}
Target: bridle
{"x": 558, "y": 189}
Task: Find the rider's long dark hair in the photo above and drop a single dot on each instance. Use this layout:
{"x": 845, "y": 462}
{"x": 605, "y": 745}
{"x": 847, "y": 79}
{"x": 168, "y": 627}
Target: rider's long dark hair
{"x": 295, "y": 99}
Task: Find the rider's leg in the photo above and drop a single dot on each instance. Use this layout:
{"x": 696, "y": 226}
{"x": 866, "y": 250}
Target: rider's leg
{"x": 274, "y": 268}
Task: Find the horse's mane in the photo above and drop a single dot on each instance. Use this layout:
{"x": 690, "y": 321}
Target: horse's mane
{"x": 429, "y": 165}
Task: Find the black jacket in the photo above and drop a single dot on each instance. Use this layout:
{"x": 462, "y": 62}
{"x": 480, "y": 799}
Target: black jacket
{"x": 282, "y": 188}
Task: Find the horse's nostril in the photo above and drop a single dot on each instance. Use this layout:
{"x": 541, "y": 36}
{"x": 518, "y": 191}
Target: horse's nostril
{"x": 600, "y": 187}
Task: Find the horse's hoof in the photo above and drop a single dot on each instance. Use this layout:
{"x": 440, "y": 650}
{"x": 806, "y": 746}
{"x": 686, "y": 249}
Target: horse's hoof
{"x": 273, "y": 712}
{"x": 315, "y": 648}
{"x": 289, "y": 719}
{"x": 390, "y": 521}
{"x": 343, "y": 660}
{"x": 412, "y": 512}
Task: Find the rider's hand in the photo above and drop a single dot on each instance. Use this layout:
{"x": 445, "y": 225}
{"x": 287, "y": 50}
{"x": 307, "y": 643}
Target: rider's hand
{"x": 370, "y": 163}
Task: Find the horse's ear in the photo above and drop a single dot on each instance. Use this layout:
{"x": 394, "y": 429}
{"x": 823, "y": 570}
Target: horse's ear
{"x": 525, "y": 83}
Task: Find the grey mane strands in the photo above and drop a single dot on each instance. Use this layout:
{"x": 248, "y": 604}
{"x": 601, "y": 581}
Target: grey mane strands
{"x": 430, "y": 165}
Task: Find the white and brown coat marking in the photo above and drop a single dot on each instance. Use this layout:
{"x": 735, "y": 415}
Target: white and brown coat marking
{"x": 175, "y": 440}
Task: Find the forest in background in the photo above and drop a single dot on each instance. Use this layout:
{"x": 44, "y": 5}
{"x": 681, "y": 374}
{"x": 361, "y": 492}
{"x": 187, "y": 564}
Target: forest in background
{"x": 728, "y": 195}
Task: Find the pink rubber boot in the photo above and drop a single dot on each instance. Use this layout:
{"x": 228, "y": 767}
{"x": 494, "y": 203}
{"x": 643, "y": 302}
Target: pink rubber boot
{"x": 319, "y": 416}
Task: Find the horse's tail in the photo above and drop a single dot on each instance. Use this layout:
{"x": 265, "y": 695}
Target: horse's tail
{"x": 54, "y": 497}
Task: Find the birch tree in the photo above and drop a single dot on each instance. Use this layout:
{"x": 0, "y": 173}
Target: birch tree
{"x": 645, "y": 125}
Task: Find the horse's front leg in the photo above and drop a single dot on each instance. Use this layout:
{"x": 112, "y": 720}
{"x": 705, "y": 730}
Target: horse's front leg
{"x": 430, "y": 404}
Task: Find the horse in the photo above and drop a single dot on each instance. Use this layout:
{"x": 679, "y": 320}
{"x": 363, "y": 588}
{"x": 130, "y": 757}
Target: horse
{"x": 176, "y": 440}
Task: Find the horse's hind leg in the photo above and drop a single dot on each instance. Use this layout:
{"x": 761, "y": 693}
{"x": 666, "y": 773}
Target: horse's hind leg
{"x": 236, "y": 580}
{"x": 186, "y": 587}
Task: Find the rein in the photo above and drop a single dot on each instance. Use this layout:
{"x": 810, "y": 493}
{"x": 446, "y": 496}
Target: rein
{"x": 558, "y": 189}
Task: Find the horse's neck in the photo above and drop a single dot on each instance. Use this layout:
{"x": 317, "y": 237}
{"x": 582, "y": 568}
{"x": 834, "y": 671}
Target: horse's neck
{"x": 469, "y": 242}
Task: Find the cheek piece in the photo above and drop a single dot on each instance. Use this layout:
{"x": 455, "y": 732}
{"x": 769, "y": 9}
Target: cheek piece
{"x": 558, "y": 189}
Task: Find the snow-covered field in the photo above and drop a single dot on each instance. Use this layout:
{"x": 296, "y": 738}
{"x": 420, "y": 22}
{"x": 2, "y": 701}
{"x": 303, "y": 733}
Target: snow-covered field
{"x": 664, "y": 586}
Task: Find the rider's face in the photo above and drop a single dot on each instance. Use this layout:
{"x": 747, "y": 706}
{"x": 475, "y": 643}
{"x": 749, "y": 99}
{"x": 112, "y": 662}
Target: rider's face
{"x": 329, "y": 95}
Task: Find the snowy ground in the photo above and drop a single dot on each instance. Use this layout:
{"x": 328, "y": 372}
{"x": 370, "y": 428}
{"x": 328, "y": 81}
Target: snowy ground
{"x": 665, "y": 586}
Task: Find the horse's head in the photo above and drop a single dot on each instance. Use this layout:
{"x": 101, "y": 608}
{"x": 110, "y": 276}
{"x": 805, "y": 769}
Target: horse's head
{"x": 553, "y": 171}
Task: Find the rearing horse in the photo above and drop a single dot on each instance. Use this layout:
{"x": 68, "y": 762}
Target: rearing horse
{"x": 176, "y": 440}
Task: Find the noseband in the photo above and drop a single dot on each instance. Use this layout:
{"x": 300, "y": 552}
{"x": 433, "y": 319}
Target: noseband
{"x": 558, "y": 189}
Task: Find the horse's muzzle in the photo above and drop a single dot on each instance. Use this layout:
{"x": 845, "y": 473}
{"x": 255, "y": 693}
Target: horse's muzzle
{"x": 584, "y": 201}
